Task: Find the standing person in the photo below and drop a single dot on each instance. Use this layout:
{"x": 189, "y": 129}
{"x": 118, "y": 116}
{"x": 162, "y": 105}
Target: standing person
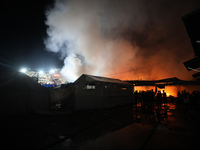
{"x": 140, "y": 97}
{"x": 179, "y": 97}
{"x": 164, "y": 96}
{"x": 152, "y": 94}
{"x": 185, "y": 97}
{"x": 159, "y": 98}
{"x": 136, "y": 94}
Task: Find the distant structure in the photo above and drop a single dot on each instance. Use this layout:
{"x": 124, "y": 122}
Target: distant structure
{"x": 46, "y": 78}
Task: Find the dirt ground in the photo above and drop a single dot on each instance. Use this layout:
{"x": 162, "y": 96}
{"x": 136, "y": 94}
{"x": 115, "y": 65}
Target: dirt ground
{"x": 78, "y": 130}
{"x": 46, "y": 131}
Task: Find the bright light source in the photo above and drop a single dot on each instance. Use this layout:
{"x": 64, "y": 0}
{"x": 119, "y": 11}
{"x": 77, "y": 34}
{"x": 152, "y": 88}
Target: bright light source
{"x": 23, "y": 70}
{"x": 52, "y": 71}
{"x": 41, "y": 72}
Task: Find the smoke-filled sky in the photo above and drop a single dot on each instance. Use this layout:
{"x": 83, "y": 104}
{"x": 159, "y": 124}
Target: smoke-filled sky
{"x": 125, "y": 39}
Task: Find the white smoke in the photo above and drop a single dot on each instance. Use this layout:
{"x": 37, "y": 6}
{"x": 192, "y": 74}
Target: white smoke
{"x": 75, "y": 31}
{"x": 103, "y": 37}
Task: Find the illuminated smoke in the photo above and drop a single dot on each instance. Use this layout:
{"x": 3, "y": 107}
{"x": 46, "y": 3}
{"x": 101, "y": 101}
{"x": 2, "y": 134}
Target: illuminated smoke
{"x": 145, "y": 40}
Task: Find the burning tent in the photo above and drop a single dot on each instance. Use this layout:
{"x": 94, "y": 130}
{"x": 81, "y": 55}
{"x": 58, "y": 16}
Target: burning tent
{"x": 21, "y": 95}
{"x": 94, "y": 92}
{"x": 170, "y": 85}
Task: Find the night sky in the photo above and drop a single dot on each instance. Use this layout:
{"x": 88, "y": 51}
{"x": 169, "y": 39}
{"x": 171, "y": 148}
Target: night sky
{"x": 145, "y": 39}
{"x": 23, "y": 31}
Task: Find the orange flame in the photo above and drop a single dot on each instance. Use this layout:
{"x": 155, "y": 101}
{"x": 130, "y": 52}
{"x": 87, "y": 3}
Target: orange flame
{"x": 170, "y": 90}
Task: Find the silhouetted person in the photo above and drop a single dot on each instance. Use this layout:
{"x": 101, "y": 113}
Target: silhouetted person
{"x": 136, "y": 94}
{"x": 185, "y": 97}
{"x": 164, "y": 96}
{"x": 179, "y": 97}
{"x": 151, "y": 98}
{"x": 159, "y": 98}
{"x": 145, "y": 98}
{"x": 194, "y": 98}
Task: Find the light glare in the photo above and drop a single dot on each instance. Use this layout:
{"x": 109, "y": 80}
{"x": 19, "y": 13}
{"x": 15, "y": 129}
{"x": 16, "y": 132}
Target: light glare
{"x": 52, "y": 71}
{"x": 23, "y": 70}
{"x": 41, "y": 72}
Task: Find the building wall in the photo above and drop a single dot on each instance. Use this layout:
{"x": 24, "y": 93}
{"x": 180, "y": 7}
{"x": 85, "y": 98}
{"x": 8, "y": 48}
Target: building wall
{"x": 99, "y": 95}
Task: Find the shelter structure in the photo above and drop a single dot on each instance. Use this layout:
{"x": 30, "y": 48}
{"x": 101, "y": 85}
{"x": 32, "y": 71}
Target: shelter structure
{"x": 21, "y": 95}
{"x": 163, "y": 82}
{"x": 94, "y": 92}
{"x": 168, "y": 82}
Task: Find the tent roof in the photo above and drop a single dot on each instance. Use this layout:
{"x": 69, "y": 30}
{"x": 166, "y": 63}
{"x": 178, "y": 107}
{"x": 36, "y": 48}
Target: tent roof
{"x": 174, "y": 79}
{"x": 12, "y": 80}
{"x": 91, "y": 78}
{"x": 167, "y": 81}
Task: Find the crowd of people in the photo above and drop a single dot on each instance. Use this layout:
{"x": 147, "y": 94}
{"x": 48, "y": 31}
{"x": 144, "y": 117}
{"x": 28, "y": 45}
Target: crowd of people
{"x": 150, "y": 97}
{"x": 155, "y": 104}
{"x": 192, "y": 98}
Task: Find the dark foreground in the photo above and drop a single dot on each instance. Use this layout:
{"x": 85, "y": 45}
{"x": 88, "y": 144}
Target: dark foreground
{"x": 171, "y": 126}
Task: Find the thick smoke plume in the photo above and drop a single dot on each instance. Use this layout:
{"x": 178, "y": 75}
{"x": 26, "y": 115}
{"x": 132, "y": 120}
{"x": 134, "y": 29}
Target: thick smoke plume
{"x": 126, "y": 39}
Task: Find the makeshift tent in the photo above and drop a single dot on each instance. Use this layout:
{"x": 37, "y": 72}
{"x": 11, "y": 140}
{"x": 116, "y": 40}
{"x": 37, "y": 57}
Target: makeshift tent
{"x": 93, "y": 92}
{"x": 63, "y": 96}
{"x": 21, "y": 95}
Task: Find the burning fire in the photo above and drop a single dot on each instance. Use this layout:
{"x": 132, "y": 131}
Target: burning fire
{"x": 170, "y": 90}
